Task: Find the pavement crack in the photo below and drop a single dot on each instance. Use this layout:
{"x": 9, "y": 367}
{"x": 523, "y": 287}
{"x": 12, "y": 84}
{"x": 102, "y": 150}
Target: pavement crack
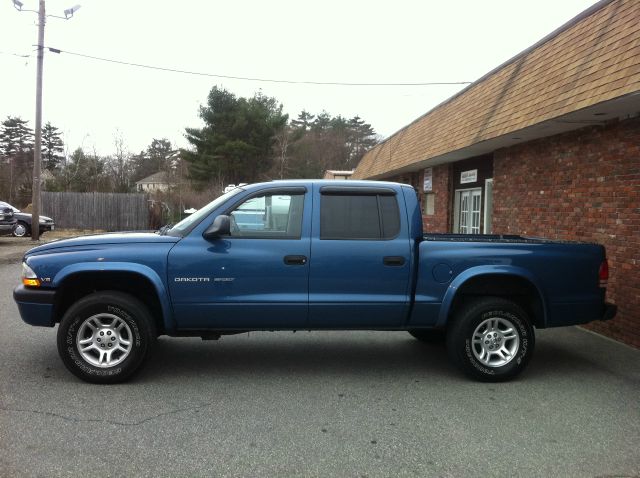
{"x": 101, "y": 420}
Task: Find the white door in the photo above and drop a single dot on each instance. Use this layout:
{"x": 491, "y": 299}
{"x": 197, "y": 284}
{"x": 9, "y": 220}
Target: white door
{"x": 468, "y": 209}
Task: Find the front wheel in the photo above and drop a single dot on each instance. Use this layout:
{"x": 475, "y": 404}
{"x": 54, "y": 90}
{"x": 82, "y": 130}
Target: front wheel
{"x": 491, "y": 339}
{"x": 105, "y": 337}
{"x": 21, "y": 229}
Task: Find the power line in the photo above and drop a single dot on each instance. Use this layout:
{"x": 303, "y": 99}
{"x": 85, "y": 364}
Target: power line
{"x": 243, "y": 78}
{"x": 8, "y": 53}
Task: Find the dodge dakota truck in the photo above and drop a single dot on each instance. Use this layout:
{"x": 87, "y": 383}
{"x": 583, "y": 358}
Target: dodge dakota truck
{"x": 309, "y": 255}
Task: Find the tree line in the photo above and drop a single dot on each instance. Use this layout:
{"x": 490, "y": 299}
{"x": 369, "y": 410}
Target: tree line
{"x": 243, "y": 140}
{"x": 251, "y": 139}
{"x": 79, "y": 171}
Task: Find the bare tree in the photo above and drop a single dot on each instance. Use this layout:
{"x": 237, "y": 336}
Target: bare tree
{"x": 282, "y": 139}
{"x": 119, "y": 165}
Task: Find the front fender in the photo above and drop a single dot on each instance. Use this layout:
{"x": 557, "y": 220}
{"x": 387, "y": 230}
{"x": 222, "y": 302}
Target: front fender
{"x": 477, "y": 271}
{"x": 127, "y": 267}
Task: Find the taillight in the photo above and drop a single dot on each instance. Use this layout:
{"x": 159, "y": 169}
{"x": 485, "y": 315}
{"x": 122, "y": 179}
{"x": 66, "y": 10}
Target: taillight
{"x": 603, "y": 273}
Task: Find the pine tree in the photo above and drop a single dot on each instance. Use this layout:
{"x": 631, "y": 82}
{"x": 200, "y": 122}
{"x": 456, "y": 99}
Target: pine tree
{"x": 321, "y": 142}
{"x": 16, "y": 150}
{"x": 52, "y": 147}
{"x": 157, "y": 157}
{"x": 235, "y": 145}
{"x": 15, "y": 137}
{"x": 304, "y": 121}
{"x": 361, "y": 138}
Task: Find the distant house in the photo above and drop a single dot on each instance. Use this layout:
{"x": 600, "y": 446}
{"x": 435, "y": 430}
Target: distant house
{"x": 156, "y": 182}
{"x": 333, "y": 174}
{"x": 46, "y": 175}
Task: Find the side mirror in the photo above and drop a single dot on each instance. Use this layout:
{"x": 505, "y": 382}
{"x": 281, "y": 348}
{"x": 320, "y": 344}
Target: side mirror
{"x": 221, "y": 227}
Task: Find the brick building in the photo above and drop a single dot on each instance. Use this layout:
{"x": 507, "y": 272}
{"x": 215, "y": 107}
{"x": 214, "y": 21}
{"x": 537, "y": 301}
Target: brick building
{"x": 547, "y": 144}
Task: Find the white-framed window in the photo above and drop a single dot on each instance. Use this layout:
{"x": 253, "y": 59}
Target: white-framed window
{"x": 467, "y": 210}
{"x": 428, "y": 204}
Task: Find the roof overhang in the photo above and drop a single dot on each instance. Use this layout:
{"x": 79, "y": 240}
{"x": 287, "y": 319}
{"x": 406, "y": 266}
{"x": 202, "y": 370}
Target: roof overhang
{"x": 619, "y": 108}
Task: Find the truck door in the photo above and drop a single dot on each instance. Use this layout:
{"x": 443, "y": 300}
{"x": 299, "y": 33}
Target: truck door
{"x": 258, "y": 277}
{"x": 360, "y": 258}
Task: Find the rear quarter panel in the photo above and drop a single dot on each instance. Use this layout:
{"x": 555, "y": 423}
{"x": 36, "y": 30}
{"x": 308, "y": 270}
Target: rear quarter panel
{"x": 564, "y": 274}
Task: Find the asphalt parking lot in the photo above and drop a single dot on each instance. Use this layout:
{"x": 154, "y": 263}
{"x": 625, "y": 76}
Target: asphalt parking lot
{"x": 359, "y": 404}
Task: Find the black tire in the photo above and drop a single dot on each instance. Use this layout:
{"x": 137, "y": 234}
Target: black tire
{"x": 119, "y": 308}
{"x": 22, "y": 229}
{"x": 429, "y": 336}
{"x": 516, "y": 347}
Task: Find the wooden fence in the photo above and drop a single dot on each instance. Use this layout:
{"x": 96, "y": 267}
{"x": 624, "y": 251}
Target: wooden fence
{"x": 106, "y": 211}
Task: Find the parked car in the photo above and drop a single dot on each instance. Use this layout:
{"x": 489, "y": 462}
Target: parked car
{"x": 24, "y": 220}
{"x": 7, "y": 221}
{"x": 309, "y": 255}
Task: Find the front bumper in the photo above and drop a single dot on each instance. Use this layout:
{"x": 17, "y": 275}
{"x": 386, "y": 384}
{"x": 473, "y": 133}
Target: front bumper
{"x": 47, "y": 226}
{"x": 35, "y": 305}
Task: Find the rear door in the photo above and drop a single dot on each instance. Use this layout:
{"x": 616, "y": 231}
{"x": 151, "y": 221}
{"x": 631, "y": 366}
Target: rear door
{"x": 360, "y": 258}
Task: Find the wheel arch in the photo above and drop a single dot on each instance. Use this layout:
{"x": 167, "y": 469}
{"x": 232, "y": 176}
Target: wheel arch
{"x": 81, "y": 279}
{"x": 511, "y": 283}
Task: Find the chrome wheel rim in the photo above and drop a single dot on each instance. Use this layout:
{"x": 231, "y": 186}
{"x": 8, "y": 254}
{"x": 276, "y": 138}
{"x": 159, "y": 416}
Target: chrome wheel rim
{"x": 495, "y": 342}
{"x": 104, "y": 340}
{"x": 19, "y": 230}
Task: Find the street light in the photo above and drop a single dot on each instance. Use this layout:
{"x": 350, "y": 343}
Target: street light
{"x": 37, "y": 152}
{"x": 68, "y": 13}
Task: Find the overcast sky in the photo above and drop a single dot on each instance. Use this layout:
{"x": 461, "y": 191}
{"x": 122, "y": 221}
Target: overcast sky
{"x": 395, "y": 41}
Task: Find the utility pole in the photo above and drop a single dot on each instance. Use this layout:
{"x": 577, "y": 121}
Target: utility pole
{"x": 37, "y": 152}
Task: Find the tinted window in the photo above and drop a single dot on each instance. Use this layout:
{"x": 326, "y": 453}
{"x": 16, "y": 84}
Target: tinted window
{"x": 390, "y": 216}
{"x": 344, "y": 216}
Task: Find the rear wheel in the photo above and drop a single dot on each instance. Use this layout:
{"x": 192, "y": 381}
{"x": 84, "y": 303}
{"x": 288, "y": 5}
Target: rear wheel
{"x": 491, "y": 339}
{"x": 105, "y": 337}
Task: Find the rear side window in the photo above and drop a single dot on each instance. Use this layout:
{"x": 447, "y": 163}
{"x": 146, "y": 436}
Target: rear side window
{"x": 364, "y": 217}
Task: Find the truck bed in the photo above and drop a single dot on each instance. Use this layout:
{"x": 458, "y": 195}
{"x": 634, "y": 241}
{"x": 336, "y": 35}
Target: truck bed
{"x": 500, "y": 238}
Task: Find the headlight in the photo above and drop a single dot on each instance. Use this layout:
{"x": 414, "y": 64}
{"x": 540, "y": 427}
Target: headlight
{"x": 29, "y": 278}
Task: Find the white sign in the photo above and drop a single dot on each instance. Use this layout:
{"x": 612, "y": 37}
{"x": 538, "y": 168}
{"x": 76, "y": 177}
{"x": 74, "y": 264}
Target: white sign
{"x": 428, "y": 180}
{"x": 470, "y": 176}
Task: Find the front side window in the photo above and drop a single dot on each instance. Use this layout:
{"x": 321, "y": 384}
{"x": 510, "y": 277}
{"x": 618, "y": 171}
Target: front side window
{"x": 269, "y": 216}
{"x": 359, "y": 217}
{"x": 191, "y": 221}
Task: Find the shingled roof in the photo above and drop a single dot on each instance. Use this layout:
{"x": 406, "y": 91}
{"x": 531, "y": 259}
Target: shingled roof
{"x": 591, "y": 59}
{"x": 156, "y": 178}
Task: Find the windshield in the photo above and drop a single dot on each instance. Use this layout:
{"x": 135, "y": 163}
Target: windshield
{"x": 6, "y": 204}
{"x": 192, "y": 220}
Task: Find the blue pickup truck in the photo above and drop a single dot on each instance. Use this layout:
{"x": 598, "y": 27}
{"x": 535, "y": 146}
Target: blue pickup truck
{"x": 309, "y": 255}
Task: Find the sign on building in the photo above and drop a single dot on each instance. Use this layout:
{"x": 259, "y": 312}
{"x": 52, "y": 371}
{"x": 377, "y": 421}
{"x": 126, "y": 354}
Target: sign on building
{"x": 470, "y": 176}
{"x": 428, "y": 180}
